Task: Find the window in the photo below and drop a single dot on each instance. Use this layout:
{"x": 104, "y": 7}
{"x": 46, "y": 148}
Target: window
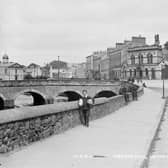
{"x": 140, "y": 58}
{"x": 134, "y": 72}
{"x": 130, "y": 73}
{"x": 147, "y": 73}
{"x": 132, "y": 59}
{"x": 153, "y": 73}
{"x": 6, "y": 70}
{"x": 150, "y": 58}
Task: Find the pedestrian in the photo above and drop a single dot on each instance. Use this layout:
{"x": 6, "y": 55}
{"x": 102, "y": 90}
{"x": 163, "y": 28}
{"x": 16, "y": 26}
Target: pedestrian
{"x": 85, "y": 104}
{"x": 123, "y": 91}
{"x": 144, "y": 85}
{"x": 133, "y": 80}
{"x": 134, "y": 93}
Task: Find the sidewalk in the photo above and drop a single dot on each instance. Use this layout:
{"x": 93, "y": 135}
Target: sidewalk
{"x": 159, "y": 157}
{"x": 125, "y": 133}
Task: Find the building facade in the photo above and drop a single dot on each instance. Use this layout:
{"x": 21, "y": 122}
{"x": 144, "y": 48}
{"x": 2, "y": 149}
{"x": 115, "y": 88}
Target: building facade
{"x": 104, "y": 67}
{"x": 94, "y": 63}
{"x": 89, "y": 66}
{"x": 34, "y": 70}
{"x": 114, "y": 55}
{"x": 60, "y": 70}
{"x": 81, "y": 70}
{"x": 144, "y": 61}
{"x": 11, "y": 70}
{"x": 118, "y": 57}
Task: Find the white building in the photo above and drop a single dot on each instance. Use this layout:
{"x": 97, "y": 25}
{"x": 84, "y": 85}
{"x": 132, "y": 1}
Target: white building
{"x": 34, "y": 70}
{"x": 59, "y": 69}
{"x": 81, "y": 70}
{"x": 10, "y": 70}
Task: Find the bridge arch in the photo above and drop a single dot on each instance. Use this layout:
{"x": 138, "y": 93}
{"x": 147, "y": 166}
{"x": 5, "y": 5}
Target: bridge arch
{"x": 2, "y": 102}
{"x": 105, "y": 93}
{"x": 38, "y": 97}
{"x": 71, "y": 95}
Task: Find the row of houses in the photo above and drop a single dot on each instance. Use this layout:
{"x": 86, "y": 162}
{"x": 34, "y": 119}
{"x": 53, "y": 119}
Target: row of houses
{"x": 131, "y": 59}
{"x": 60, "y": 69}
{"x": 15, "y": 71}
{"x": 53, "y": 70}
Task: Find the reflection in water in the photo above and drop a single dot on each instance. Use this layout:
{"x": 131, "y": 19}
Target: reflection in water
{"x": 24, "y": 100}
{"x": 60, "y": 99}
{"x": 27, "y": 100}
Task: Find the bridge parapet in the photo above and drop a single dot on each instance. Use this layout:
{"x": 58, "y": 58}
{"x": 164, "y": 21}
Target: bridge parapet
{"x": 15, "y": 83}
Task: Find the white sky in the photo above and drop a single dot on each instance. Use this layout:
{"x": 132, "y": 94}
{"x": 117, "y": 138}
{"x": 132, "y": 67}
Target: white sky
{"x": 40, "y": 30}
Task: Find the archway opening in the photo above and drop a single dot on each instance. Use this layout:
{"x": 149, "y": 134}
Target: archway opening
{"x": 29, "y": 98}
{"x": 70, "y": 95}
{"x": 1, "y": 103}
{"x": 105, "y": 93}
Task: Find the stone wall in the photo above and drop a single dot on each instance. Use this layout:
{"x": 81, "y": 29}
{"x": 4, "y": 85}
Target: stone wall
{"x": 23, "y": 126}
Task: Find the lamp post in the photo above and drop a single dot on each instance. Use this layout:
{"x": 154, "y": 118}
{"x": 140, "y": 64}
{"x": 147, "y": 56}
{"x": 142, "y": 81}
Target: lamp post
{"x": 58, "y": 68}
{"x": 163, "y": 84}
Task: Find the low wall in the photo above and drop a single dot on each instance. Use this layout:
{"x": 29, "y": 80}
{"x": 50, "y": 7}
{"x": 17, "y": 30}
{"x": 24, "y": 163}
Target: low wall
{"x": 22, "y": 126}
{"x": 140, "y": 91}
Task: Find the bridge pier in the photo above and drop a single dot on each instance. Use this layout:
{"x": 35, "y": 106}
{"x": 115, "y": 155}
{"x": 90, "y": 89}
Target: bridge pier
{"x": 49, "y": 100}
{"x": 9, "y": 103}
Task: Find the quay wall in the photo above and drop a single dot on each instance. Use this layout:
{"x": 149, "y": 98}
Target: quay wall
{"x": 23, "y": 126}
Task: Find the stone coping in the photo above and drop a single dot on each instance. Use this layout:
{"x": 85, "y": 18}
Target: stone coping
{"x": 54, "y": 83}
{"x": 24, "y": 113}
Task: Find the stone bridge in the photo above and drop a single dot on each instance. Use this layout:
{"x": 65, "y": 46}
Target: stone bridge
{"x": 44, "y": 92}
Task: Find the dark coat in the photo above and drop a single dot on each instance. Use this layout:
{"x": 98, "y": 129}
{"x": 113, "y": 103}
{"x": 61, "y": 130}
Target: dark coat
{"x": 86, "y": 105}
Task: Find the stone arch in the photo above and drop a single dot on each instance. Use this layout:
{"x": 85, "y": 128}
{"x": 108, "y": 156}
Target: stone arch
{"x": 71, "y": 95}
{"x": 105, "y": 93}
{"x": 2, "y": 102}
{"x": 38, "y": 97}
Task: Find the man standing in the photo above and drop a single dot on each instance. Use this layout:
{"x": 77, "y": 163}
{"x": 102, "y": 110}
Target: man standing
{"x": 123, "y": 91}
{"x": 134, "y": 93}
{"x": 85, "y": 104}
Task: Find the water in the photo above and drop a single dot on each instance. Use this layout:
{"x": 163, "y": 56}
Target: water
{"x": 27, "y": 100}
{"x": 24, "y": 100}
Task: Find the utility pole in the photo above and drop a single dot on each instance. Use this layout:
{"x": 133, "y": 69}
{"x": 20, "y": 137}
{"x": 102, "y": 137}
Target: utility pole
{"x": 58, "y": 68}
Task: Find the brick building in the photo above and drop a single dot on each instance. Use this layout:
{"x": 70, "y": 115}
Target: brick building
{"x": 118, "y": 57}
{"x": 144, "y": 61}
{"x": 94, "y": 63}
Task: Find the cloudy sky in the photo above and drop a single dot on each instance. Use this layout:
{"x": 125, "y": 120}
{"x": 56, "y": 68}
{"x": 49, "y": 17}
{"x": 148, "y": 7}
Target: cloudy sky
{"x": 40, "y": 30}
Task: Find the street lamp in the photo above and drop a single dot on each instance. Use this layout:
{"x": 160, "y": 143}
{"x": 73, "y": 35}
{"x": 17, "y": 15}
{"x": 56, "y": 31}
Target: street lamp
{"x": 163, "y": 76}
{"x": 58, "y": 68}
